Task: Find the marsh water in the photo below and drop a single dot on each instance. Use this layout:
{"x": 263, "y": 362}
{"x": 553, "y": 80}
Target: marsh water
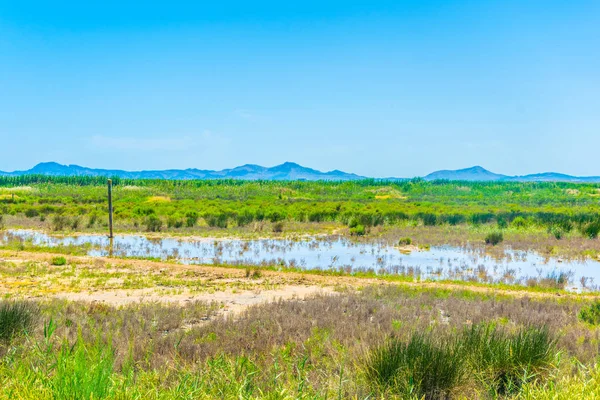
{"x": 467, "y": 263}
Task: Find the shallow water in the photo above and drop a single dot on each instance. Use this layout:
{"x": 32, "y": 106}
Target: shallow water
{"x": 337, "y": 253}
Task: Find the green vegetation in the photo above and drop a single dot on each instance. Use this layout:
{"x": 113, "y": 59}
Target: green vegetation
{"x": 75, "y": 203}
{"x": 15, "y": 318}
{"x": 591, "y": 313}
{"x": 494, "y": 238}
{"x": 429, "y": 367}
{"x": 405, "y": 241}
{"x": 60, "y": 260}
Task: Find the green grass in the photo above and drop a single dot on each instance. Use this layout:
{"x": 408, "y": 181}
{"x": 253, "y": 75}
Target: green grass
{"x": 58, "y": 261}
{"x": 16, "y": 317}
{"x": 437, "y": 368}
{"x": 423, "y": 368}
{"x": 591, "y": 313}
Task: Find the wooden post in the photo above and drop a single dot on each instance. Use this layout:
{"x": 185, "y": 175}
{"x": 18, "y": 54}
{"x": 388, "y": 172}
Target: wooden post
{"x": 110, "y": 209}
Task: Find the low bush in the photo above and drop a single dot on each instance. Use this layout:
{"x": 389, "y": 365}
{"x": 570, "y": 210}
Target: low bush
{"x": 494, "y": 238}
{"x": 153, "y": 224}
{"x": 405, "y": 241}
{"x": 59, "y": 260}
{"x": 358, "y": 230}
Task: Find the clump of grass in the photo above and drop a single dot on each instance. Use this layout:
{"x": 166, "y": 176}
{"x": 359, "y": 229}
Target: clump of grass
{"x": 60, "y": 260}
{"x": 253, "y": 273}
{"x": 422, "y": 368}
{"x": 502, "y": 362}
{"x": 15, "y": 317}
{"x": 591, "y": 313}
{"x": 81, "y": 371}
{"x": 406, "y": 241}
{"x": 430, "y": 368}
{"x": 358, "y": 230}
{"x": 278, "y": 227}
{"x": 494, "y": 238}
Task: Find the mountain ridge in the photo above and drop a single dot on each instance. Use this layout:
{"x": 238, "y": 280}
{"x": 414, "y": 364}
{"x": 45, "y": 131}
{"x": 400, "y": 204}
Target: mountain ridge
{"x": 289, "y": 171}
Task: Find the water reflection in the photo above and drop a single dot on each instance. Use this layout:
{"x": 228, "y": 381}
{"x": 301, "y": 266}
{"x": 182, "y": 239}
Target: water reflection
{"x": 339, "y": 254}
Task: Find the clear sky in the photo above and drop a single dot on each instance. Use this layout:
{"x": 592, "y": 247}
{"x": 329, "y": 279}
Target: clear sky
{"x": 379, "y": 88}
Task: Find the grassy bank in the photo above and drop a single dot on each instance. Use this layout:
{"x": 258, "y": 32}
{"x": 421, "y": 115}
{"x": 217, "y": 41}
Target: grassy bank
{"x": 380, "y": 342}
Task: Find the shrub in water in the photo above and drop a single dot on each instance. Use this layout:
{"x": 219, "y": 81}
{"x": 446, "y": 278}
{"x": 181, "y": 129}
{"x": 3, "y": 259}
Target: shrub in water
{"x": 494, "y": 238}
{"x": 405, "y": 241}
{"x": 59, "y": 260}
{"x": 591, "y": 313}
{"x": 420, "y": 368}
{"x": 15, "y": 317}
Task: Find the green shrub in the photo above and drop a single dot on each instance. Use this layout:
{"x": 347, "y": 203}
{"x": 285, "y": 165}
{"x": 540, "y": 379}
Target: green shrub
{"x": 59, "y": 260}
{"x": 591, "y": 229}
{"x": 405, "y": 241}
{"x": 153, "y": 223}
{"x": 494, "y": 238}
{"x": 502, "y": 223}
{"x": 358, "y": 230}
{"x": 557, "y": 232}
{"x": 421, "y": 368}
{"x": 59, "y": 222}
{"x": 519, "y": 222}
{"x": 15, "y": 317}
{"x": 591, "y": 313}
{"x": 174, "y": 222}
{"x": 31, "y": 213}
{"x": 191, "y": 219}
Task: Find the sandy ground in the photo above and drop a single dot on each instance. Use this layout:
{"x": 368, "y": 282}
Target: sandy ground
{"x": 232, "y": 302}
{"x": 231, "y": 287}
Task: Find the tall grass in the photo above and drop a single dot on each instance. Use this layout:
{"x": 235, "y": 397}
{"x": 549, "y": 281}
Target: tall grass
{"x": 502, "y": 362}
{"x": 15, "y": 317}
{"x": 423, "y": 367}
{"x": 430, "y": 368}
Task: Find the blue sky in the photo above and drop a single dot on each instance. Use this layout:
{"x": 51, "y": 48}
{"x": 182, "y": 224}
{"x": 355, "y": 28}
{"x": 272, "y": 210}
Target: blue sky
{"x": 398, "y": 88}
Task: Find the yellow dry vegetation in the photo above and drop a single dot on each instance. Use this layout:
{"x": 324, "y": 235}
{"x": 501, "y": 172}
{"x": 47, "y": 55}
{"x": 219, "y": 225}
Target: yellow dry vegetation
{"x": 387, "y": 192}
{"x": 158, "y": 199}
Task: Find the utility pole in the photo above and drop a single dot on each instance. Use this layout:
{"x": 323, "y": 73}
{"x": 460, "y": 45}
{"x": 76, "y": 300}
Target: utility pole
{"x": 110, "y": 208}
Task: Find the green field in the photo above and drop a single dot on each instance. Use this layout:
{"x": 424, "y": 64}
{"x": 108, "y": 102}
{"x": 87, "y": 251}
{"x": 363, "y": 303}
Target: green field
{"x": 80, "y": 203}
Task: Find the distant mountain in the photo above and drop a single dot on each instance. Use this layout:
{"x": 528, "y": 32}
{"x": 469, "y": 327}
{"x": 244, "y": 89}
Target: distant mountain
{"x": 285, "y": 171}
{"x": 288, "y": 171}
{"x": 476, "y": 173}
